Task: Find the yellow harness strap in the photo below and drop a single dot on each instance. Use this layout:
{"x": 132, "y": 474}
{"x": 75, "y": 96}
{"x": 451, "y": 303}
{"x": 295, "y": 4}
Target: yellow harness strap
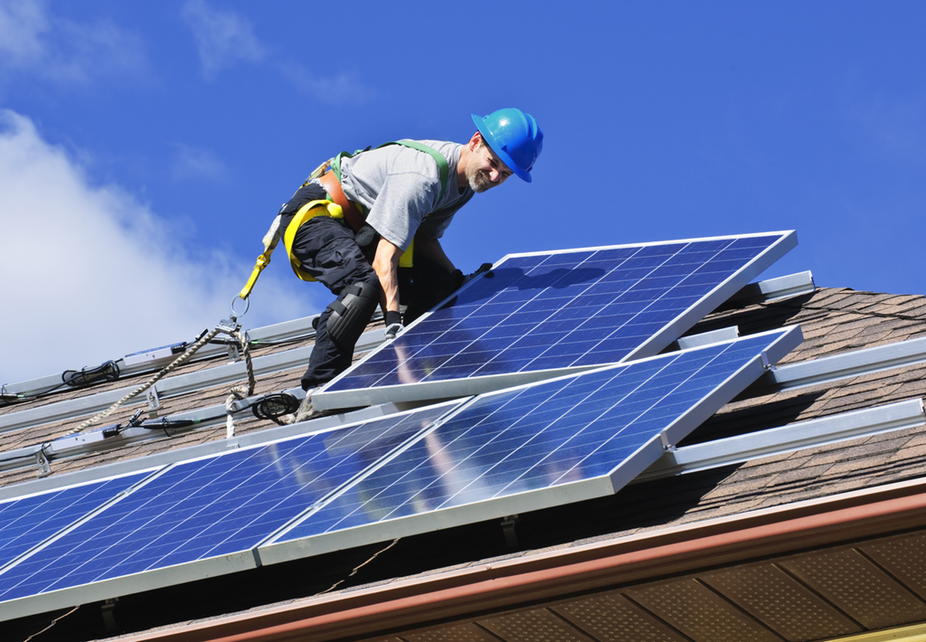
{"x": 271, "y": 238}
{"x": 305, "y": 214}
{"x": 406, "y": 259}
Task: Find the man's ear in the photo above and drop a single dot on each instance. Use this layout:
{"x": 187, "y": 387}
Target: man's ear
{"x": 475, "y": 141}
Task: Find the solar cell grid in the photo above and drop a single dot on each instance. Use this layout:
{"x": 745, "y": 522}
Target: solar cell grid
{"x": 210, "y": 507}
{"x": 538, "y": 437}
{"x": 27, "y": 522}
{"x": 555, "y": 311}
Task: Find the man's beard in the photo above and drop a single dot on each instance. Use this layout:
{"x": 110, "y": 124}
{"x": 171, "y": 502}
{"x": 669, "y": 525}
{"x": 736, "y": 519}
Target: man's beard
{"x": 479, "y": 181}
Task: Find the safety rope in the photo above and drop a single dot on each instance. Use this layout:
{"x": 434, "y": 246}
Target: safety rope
{"x": 239, "y": 393}
{"x": 233, "y": 331}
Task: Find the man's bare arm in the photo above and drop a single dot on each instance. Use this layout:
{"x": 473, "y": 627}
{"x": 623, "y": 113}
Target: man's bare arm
{"x": 386, "y": 264}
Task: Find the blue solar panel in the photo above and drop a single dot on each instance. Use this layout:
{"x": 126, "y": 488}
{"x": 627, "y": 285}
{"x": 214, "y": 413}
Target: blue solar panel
{"x": 562, "y": 310}
{"x": 26, "y": 523}
{"x": 210, "y": 507}
{"x": 604, "y": 424}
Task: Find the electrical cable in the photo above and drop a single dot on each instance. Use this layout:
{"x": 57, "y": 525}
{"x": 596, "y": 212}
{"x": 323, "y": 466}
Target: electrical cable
{"x": 275, "y": 405}
{"x": 51, "y": 624}
{"x": 8, "y": 400}
{"x": 357, "y": 568}
{"x": 107, "y": 371}
{"x": 164, "y": 423}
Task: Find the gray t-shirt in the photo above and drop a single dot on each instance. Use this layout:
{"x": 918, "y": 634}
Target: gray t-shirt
{"x": 400, "y": 186}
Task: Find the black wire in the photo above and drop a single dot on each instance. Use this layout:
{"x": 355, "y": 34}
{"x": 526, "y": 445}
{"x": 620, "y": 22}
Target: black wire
{"x": 8, "y": 400}
{"x": 76, "y": 376}
{"x": 275, "y": 405}
{"x": 108, "y": 371}
{"x": 11, "y": 399}
{"x": 163, "y": 423}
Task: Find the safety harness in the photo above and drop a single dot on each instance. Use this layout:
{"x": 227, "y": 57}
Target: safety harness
{"x": 336, "y": 206}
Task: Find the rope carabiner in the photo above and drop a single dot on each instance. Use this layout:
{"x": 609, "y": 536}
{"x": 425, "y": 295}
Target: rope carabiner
{"x": 233, "y": 316}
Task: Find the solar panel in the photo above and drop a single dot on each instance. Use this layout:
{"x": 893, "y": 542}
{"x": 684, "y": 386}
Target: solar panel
{"x": 202, "y": 517}
{"x": 535, "y": 316}
{"x": 539, "y": 445}
{"x": 27, "y": 522}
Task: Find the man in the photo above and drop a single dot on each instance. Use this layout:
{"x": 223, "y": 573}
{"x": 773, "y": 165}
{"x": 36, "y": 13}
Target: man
{"x": 395, "y": 196}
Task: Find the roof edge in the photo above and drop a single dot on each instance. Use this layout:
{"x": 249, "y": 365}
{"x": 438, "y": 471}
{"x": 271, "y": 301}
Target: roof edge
{"x": 637, "y": 558}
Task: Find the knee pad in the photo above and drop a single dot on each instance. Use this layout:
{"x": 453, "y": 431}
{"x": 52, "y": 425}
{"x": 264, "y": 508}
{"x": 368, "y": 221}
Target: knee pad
{"x": 351, "y": 312}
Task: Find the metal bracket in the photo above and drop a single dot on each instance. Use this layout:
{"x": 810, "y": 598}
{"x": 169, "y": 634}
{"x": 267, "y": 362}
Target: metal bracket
{"x": 109, "y": 618}
{"x": 42, "y": 461}
{"x": 154, "y": 402}
{"x": 511, "y": 536}
{"x": 766, "y": 364}
{"x": 664, "y": 440}
{"x": 229, "y": 327}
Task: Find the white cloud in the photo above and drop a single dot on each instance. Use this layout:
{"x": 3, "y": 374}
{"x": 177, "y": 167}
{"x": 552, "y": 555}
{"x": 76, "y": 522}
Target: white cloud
{"x": 47, "y": 46}
{"x": 21, "y": 25}
{"x": 192, "y": 163}
{"x": 91, "y": 274}
{"x": 223, "y": 38}
{"x": 337, "y": 90}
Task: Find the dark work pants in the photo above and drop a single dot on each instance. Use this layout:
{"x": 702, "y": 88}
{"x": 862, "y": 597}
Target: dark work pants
{"x": 326, "y": 248}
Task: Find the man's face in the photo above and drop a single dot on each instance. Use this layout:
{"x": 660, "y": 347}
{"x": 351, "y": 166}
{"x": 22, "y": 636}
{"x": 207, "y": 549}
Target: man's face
{"x": 484, "y": 169}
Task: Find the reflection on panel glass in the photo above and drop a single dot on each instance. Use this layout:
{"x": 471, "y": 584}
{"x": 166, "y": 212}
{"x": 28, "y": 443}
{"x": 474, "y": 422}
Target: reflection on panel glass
{"x": 561, "y": 310}
{"x": 209, "y": 507}
{"x": 538, "y": 437}
{"x": 26, "y": 523}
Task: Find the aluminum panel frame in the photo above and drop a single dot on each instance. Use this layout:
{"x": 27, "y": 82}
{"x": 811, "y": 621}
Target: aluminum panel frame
{"x": 620, "y": 476}
{"x": 326, "y": 399}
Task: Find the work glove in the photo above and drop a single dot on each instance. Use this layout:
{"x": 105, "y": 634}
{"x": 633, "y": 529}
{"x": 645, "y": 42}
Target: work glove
{"x": 365, "y": 236}
{"x": 485, "y": 267}
{"x": 393, "y": 324}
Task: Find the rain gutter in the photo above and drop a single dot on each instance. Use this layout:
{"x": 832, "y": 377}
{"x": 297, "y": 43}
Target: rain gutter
{"x": 547, "y": 576}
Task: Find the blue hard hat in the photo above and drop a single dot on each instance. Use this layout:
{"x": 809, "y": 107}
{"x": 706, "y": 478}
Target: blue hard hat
{"x": 515, "y": 138}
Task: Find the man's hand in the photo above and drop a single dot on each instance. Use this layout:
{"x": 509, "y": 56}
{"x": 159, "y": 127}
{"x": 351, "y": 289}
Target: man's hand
{"x": 463, "y": 280}
{"x": 393, "y": 324}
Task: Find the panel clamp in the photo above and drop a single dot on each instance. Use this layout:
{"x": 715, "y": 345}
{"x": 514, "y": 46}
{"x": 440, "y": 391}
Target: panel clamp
{"x": 664, "y": 440}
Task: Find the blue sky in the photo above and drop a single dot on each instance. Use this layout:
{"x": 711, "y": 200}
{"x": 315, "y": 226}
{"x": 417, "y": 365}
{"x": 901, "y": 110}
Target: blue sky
{"x": 145, "y": 147}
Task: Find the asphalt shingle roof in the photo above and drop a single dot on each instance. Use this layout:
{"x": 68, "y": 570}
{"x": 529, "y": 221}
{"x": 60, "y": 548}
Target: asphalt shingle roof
{"x": 834, "y": 321}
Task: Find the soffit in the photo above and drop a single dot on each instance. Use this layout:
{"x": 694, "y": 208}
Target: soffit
{"x": 818, "y": 595}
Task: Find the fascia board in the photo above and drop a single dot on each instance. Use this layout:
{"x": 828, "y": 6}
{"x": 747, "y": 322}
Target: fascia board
{"x": 507, "y": 583}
